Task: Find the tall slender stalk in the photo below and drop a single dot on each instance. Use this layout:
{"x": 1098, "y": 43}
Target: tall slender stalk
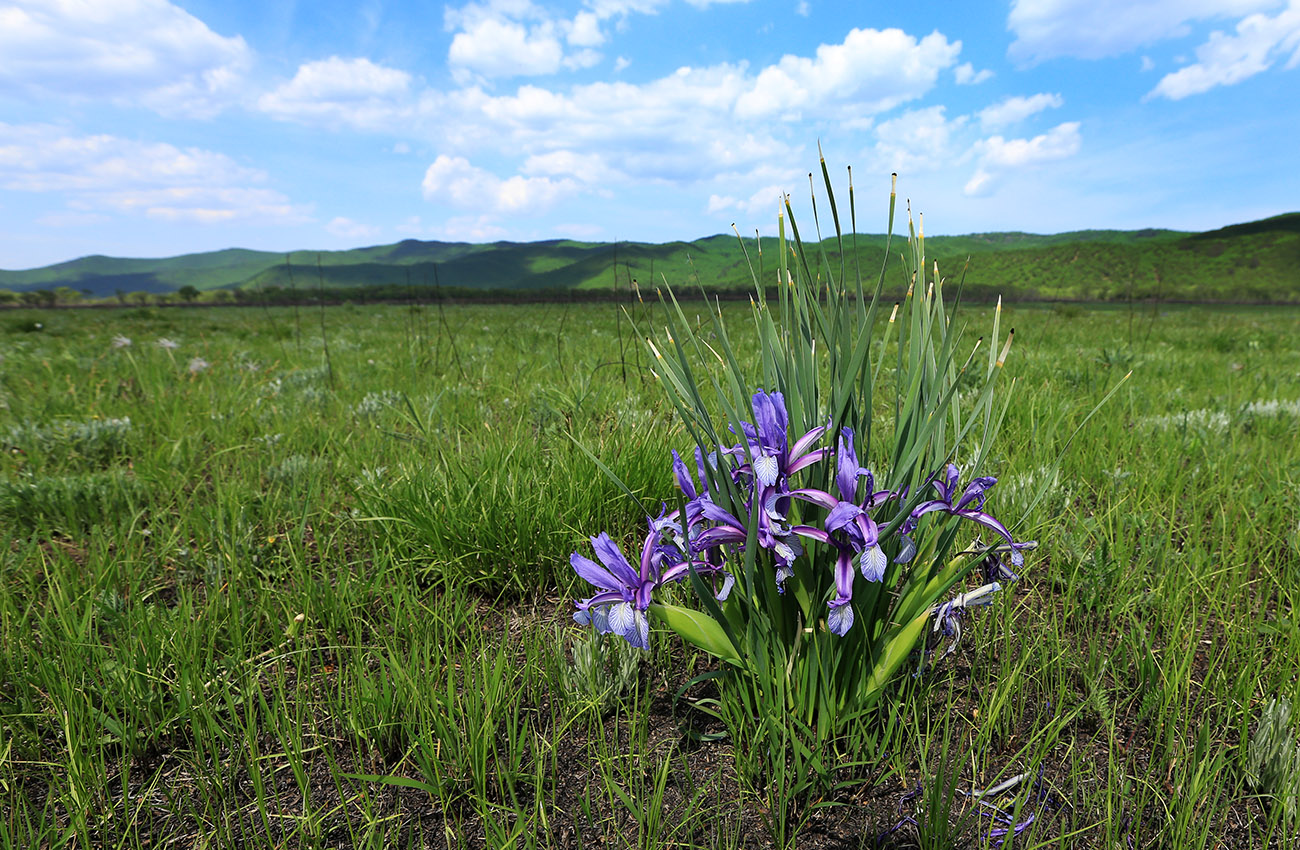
{"x": 451, "y": 336}
{"x": 324, "y": 338}
{"x": 293, "y": 294}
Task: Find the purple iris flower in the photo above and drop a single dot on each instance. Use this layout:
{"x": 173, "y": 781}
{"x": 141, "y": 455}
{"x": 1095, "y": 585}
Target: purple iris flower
{"x": 839, "y": 619}
{"x": 774, "y": 459}
{"x": 852, "y": 516}
{"x": 850, "y": 530}
{"x": 1013, "y": 827}
{"x": 997, "y": 570}
{"x": 625, "y": 594}
{"x": 729, "y": 530}
{"x": 969, "y": 504}
{"x": 947, "y": 615}
{"x": 683, "y": 476}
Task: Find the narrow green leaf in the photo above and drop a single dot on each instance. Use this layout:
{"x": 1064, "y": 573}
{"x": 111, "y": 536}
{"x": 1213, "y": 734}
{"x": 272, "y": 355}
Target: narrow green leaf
{"x": 698, "y": 629}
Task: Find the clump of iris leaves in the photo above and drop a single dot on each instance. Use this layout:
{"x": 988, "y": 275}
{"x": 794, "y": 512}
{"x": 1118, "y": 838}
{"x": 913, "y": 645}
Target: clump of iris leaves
{"x": 816, "y": 577}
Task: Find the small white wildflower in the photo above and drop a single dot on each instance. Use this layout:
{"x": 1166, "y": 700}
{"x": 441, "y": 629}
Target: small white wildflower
{"x": 168, "y": 344}
{"x": 120, "y": 341}
{"x": 197, "y": 365}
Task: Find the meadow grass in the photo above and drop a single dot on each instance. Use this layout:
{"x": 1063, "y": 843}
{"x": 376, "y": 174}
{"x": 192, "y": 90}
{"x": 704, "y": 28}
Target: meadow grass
{"x": 250, "y": 606}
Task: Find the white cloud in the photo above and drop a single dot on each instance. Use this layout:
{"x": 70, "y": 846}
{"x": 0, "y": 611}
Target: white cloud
{"x": 623, "y": 8}
{"x": 517, "y": 38}
{"x": 454, "y": 180}
{"x": 1225, "y": 60}
{"x": 999, "y": 156}
{"x": 966, "y": 75}
{"x": 585, "y": 168}
{"x": 131, "y": 52}
{"x": 504, "y": 48}
{"x": 1094, "y": 29}
{"x": 584, "y": 30}
{"x": 1148, "y": 64}
{"x": 1058, "y": 143}
{"x": 623, "y": 131}
{"x": 919, "y": 140}
{"x": 346, "y": 228}
{"x": 761, "y": 202}
{"x": 803, "y": 9}
{"x": 870, "y": 71}
{"x": 336, "y": 91}
{"x": 1013, "y": 110}
{"x": 107, "y": 174}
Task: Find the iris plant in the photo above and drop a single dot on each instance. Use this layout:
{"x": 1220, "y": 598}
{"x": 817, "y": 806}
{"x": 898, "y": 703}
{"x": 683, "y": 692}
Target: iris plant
{"x": 764, "y": 468}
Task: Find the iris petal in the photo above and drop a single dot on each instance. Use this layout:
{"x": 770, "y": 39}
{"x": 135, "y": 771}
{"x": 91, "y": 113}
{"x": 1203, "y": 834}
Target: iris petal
{"x": 594, "y": 573}
{"x": 840, "y": 619}
{"x": 873, "y": 564}
{"x": 766, "y": 470}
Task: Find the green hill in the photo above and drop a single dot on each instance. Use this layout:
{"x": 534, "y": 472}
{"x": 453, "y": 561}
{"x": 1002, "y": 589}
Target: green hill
{"x": 1254, "y": 261}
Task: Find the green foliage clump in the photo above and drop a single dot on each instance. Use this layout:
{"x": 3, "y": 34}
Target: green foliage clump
{"x": 94, "y": 439}
{"x": 603, "y": 669}
{"x": 73, "y": 502}
{"x": 1273, "y": 763}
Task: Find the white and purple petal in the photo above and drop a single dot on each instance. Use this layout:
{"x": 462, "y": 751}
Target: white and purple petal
{"x": 840, "y": 617}
{"x": 767, "y": 469}
{"x": 873, "y": 563}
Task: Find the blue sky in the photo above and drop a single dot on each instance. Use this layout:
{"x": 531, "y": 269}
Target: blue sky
{"x": 152, "y": 128}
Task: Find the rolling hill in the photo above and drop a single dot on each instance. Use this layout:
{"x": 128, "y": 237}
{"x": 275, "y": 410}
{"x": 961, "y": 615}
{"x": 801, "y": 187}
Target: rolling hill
{"x": 1254, "y": 261}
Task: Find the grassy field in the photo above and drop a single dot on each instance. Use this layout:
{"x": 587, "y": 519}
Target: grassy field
{"x": 302, "y": 581}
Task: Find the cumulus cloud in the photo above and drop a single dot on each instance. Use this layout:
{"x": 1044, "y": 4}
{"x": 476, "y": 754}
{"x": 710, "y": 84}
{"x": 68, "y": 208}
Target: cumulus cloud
{"x": 619, "y": 131}
{"x": 1224, "y": 60}
{"x": 1013, "y": 110}
{"x": 517, "y": 38}
{"x": 454, "y": 180}
{"x": 870, "y": 71}
{"x": 919, "y": 140}
{"x": 966, "y": 75}
{"x": 505, "y": 48}
{"x": 104, "y": 173}
{"x": 1094, "y": 29}
{"x": 132, "y": 52}
{"x": 999, "y": 156}
{"x": 622, "y": 8}
{"x": 761, "y": 191}
{"x": 336, "y": 91}
{"x": 584, "y": 31}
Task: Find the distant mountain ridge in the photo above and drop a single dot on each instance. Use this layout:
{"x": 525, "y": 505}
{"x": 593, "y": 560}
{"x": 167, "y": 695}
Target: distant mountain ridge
{"x": 1257, "y": 260}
